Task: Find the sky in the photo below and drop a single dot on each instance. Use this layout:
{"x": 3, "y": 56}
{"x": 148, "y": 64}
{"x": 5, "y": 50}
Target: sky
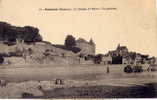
{"x": 132, "y": 24}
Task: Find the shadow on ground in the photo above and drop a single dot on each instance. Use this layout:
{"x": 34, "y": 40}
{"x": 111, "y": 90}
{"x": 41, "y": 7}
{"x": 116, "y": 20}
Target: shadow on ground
{"x": 145, "y": 91}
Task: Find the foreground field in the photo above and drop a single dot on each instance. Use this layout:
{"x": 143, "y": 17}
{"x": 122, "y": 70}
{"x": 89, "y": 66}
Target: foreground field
{"x": 79, "y": 81}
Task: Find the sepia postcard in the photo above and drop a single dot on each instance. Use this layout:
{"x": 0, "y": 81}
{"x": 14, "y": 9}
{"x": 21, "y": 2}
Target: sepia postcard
{"x": 78, "y": 49}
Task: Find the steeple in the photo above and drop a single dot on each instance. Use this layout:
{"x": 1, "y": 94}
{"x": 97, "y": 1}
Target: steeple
{"x": 118, "y": 46}
{"x": 91, "y": 41}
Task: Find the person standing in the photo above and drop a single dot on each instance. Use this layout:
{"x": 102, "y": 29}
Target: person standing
{"x": 107, "y": 68}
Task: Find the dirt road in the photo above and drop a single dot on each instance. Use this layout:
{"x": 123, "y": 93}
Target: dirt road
{"x": 79, "y": 81}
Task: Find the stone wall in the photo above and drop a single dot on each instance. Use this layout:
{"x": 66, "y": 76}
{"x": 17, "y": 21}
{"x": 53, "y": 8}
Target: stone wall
{"x": 87, "y": 48}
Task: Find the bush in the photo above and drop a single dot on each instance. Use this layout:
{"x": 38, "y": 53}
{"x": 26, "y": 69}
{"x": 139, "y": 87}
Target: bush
{"x": 74, "y": 49}
{"x": 117, "y": 60}
{"x": 128, "y": 69}
{"x": 98, "y": 59}
{"x": 137, "y": 69}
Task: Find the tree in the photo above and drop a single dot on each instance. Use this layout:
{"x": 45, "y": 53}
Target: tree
{"x": 98, "y": 58}
{"x": 32, "y": 34}
{"x": 11, "y": 33}
{"x": 74, "y": 49}
{"x": 70, "y": 41}
{"x": 3, "y": 30}
{"x": 1, "y": 59}
{"x": 117, "y": 60}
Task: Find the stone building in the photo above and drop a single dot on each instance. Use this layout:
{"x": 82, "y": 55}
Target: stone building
{"x": 87, "y": 48}
{"x": 120, "y": 51}
{"x": 127, "y": 60}
{"x": 118, "y": 54}
{"x": 152, "y": 60}
{"x": 130, "y": 57}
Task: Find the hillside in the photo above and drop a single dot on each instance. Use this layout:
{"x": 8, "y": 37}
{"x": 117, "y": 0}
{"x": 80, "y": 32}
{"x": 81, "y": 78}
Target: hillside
{"x": 25, "y": 45}
{"x": 37, "y": 53}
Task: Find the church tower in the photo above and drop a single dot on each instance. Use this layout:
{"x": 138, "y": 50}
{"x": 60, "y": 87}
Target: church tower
{"x": 91, "y": 42}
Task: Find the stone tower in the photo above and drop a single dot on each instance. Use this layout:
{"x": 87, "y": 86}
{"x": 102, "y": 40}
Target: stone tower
{"x": 91, "y": 42}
